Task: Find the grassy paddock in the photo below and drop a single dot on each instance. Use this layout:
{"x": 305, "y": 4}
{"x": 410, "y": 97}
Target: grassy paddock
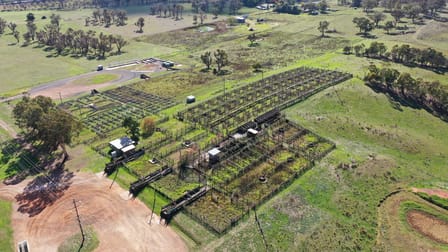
{"x": 6, "y": 241}
{"x": 73, "y": 243}
{"x": 97, "y": 79}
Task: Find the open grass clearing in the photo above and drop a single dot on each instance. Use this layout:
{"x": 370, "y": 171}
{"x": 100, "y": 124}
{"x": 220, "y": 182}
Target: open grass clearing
{"x": 96, "y": 79}
{"x": 6, "y": 232}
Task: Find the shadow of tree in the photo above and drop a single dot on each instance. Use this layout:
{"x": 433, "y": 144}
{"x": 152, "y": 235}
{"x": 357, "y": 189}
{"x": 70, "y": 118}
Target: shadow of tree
{"x": 43, "y": 191}
{"x": 16, "y": 159}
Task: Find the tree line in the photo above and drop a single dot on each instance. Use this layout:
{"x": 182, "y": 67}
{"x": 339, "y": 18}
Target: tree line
{"x": 107, "y": 17}
{"x": 401, "y": 8}
{"x": 290, "y": 7}
{"x": 168, "y": 10}
{"x": 414, "y": 10}
{"x": 73, "y": 4}
{"x": 405, "y": 54}
{"x": 431, "y": 96}
{"x": 217, "y": 7}
{"x": 78, "y": 42}
{"x": 44, "y": 124}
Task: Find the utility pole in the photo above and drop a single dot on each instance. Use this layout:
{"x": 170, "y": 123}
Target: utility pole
{"x": 224, "y": 89}
{"x": 153, "y": 206}
{"x": 80, "y": 226}
{"x": 261, "y": 230}
{"x": 60, "y": 97}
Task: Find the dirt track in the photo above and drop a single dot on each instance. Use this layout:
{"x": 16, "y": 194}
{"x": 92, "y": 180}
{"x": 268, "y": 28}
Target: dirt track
{"x": 438, "y": 192}
{"x": 67, "y": 87}
{"x": 428, "y": 225}
{"x": 45, "y": 216}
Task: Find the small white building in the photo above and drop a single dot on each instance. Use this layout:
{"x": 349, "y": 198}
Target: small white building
{"x": 213, "y": 155}
{"x": 121, "y": 146}
{"x": 252, "y": 132}
{"x": 191, "y": 99}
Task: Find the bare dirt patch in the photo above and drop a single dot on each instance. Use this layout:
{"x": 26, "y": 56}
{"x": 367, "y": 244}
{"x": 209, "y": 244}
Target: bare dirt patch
{"x": 76, "y": 85}
{"x": 438, "y": 192}
{"x": 428, "y": 225}
{"x": 394, "y": 234}
{"x": 120, "y": 222}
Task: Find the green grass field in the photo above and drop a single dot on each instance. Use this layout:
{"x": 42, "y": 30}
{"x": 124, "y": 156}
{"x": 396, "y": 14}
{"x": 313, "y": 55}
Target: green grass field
{"x": 6, "y": 241}
{"x": 97, "y": 79}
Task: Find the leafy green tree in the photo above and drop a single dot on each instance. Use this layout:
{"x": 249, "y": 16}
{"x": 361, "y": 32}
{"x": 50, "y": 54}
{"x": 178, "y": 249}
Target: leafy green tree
{"x": 363, "y": 24}
{"x": 55, "y": 20}
{"x": 12, "y": 26}
{"x": 132, "y": 128}
{"x": 369, "y": 4}
{"x": 347, "y": 50}
{"x": 120, "y": 42}
{"x": 121, "y": 18}
{"x": 207, "y": 59}
{"x": 3, "y": 25}
{"x": 323, "y": 5}
{"x": 397, "y": 14}
{"x": 30, "y": 17}
{"x": 359, "y": 49}
{"x": 221, "y": 60}
{"x": 32, "y": 28}
{"x": 27, "y": 38}
{"x": 388, "y": 26}
{"x": 57, "y": 128}
{"x": 323, "y": 26}
{"x": 140, "y": 23}
{"x": 148, "y": 126}
{"x": 413, "y": 11}
{"x": 252, "y": 38}
{"x": 377, "y": 17}
{"x": 16, "y": 35}
{"x": 406, "y": 83}
{"x": 42, "y": 121}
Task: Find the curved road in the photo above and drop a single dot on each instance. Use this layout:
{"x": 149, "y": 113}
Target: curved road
{"x": 125, "y": 75}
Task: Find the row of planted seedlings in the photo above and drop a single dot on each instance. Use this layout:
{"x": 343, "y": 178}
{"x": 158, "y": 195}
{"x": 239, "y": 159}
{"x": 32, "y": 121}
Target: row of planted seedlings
{"x": 224, "y": 118}
{"x": 139, "y": 99}
{"x": 104, "y": 112}
{"x": 169, "y": 150}
{"x": 256, "y": 172}
{"x": 247, "y": 93}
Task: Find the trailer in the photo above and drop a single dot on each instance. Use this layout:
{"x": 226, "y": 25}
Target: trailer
{"x": 113, "y": 165}
{"x": 138, "y": 185}
{"x": 268, "y": 117}
{"x": 171, "y": 209}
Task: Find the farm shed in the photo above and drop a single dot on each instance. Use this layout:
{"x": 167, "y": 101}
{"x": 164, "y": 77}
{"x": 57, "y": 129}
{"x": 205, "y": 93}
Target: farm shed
{"x": 191, "y": 99}
{"x": 167, "y": 64}
{"x": 252, "y": 132}
{"x": 213, "y": 155}
{"x": 240, "y": 19}
{"x": 122, "y": 146}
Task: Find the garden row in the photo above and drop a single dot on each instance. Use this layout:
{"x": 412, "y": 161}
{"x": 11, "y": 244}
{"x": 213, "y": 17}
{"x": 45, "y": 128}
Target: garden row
{"x": 104, "y": 112}
{"x": 227, "y": 111}
{"x": 255, "y": 169}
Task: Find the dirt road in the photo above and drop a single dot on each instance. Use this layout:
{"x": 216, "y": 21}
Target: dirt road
{"x": 120, "y": 222}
